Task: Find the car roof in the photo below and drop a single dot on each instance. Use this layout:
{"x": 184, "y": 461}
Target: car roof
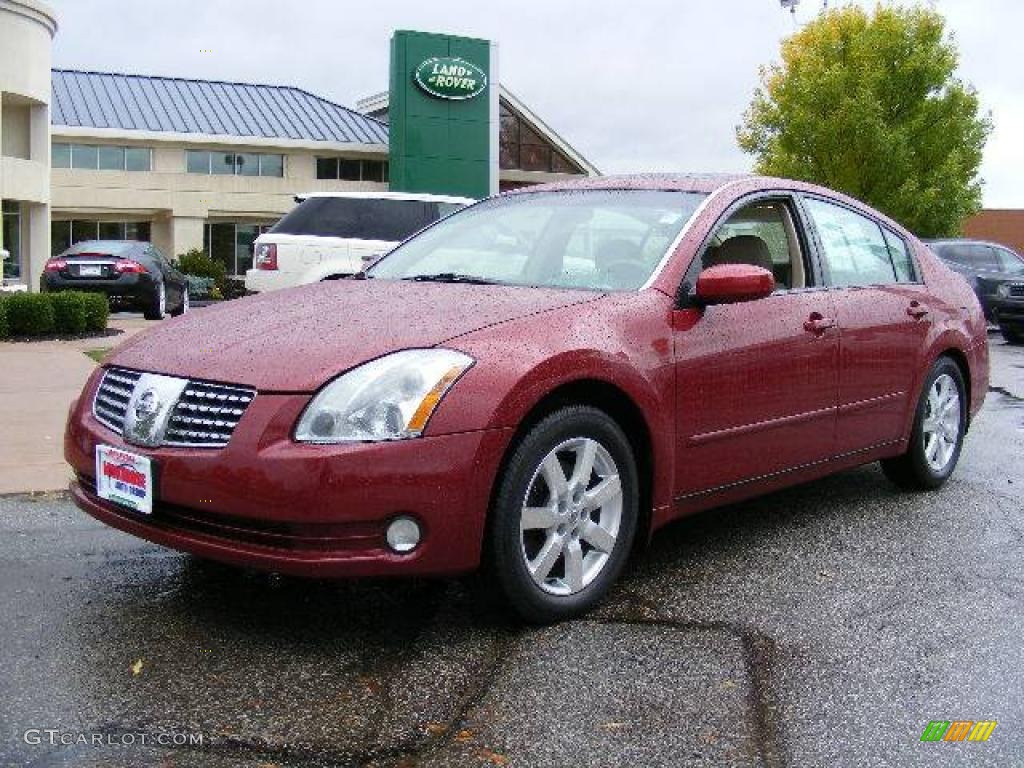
{"x": 965, "y": 241}
{"x": 422, "y": 196}
{"x": 674, "y": 182}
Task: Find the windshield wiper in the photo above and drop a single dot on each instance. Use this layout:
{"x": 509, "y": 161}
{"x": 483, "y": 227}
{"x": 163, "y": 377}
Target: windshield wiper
{"x": 451, "y": 277}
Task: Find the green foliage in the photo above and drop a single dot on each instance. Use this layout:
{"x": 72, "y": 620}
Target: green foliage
{"x": 97, "y": 311}
{"x": 200, "y": 287}
{"x": 30, "y": 314}
{"x": 195, "y": 262}
{"x": 69, "y": 312}
{"x": 64, "y": 312}
{"x": 869, "y": 104}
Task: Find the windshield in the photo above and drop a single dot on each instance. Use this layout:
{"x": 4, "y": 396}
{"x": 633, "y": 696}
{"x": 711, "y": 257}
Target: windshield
{"x": 591, "y": 239}
{"x": 360, "y": 218}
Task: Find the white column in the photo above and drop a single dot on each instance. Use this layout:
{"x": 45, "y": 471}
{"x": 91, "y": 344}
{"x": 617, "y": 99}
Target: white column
{"x": 36, "y": 247}
{"x": 186, "y": 234}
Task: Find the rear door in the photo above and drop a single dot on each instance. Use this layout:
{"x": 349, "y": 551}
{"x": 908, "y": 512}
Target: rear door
{"x": 883, "y": 315}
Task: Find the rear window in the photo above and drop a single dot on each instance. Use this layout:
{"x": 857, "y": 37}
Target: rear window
{"x": 358, "y": 218}
{"x": 100, "y": 247}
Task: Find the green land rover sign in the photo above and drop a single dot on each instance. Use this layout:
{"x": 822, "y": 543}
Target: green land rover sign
{"x": 449, "y": 77}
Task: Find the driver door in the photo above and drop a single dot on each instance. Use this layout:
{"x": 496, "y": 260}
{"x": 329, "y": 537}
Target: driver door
{"x": 757, "y": 381}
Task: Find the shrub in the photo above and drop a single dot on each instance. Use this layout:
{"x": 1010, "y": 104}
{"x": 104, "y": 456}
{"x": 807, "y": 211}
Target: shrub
{"x": 30, "y": 314}
{"x": 69, "y": 311}
{"x": 200, "y": 287}
{"x": 97, "y": 311}
{"x": 198, "y": 264}
{"x": 5, "y": 330}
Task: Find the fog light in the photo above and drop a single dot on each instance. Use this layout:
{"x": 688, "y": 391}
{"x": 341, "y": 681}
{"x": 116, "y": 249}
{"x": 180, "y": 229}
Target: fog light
{"x": 403, "y": 534}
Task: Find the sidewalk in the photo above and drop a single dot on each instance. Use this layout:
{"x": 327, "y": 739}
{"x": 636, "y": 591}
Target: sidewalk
{"x": 38, "y": 381}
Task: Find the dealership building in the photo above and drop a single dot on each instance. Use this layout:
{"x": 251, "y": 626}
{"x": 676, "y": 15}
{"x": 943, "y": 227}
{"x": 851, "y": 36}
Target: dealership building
{"x": 206, "y": 164}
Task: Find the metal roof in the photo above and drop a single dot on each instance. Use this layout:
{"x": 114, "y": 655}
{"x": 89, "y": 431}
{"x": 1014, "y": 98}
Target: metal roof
{"x": 210, "y": 107}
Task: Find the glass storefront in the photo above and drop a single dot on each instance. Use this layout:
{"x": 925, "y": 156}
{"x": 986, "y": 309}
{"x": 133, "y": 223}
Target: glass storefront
{"x": 12, "y": 239}
{"x": 64, "y": 234}
{"x": 230, "y": 243}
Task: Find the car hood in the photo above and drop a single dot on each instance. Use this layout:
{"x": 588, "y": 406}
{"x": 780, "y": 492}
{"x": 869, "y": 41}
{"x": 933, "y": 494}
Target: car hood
{"x": 294, "y": 340}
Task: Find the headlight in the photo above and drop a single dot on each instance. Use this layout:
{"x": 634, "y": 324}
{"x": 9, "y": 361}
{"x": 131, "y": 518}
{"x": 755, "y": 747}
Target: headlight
{"x": 390, "y": 398}
{"x": 1003, "y": 290}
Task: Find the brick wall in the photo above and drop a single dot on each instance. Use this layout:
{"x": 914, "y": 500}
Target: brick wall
{"x": 999, "y": 226}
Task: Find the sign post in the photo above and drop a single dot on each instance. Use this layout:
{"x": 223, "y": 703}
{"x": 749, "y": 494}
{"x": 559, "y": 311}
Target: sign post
{"x": 443, "y": 114}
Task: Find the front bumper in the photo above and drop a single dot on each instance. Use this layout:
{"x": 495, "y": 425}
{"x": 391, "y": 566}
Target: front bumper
{"x": 267, "y": 502}
{"x": 1009, "y": 311}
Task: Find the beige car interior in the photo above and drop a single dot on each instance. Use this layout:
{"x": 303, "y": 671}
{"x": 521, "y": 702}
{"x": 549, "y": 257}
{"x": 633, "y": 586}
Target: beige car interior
{"x": 764, "y": 235}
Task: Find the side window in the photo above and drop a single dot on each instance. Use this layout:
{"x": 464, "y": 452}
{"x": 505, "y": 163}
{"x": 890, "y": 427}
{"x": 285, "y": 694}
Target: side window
{"x": 983, "y": 257}
{"x": 901, "y": 258}
{"x": 1009, "y": 262}
{"x": 854, "y": 250}
{"x": 762, "y": 234}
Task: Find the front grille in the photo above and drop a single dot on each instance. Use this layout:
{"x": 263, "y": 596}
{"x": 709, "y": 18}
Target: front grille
{"x": 112, "y": 397}
{"x": 1017, "y": 290}
{"x": 205, "y": 415}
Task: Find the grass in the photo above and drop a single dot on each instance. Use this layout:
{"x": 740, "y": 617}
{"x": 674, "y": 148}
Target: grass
{"x": 97, "y": 354}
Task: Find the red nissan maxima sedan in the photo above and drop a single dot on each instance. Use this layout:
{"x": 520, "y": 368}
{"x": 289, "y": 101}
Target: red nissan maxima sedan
{"x": 538, "y": 382}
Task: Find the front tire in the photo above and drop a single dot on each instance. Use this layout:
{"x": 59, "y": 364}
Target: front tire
{"x": 157, "y": 309}
{"x": 937, "y": 436}
{"x": 565, "y": 515}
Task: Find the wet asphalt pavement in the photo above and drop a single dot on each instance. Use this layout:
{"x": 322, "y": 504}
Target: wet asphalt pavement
{"x": 820, "y": 626}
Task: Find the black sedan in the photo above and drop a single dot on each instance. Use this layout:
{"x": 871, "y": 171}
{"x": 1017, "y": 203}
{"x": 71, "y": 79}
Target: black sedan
{"x": 134, "y": 276}
{"x": 997, "y": 275}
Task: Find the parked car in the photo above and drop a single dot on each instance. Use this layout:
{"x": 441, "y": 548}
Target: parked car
{"x": 1008, "y": 309}
{"x": 537, "y": 383}
{"x": 330, "y": 235}
{"x": 991, "y": 269}
{"x": 134, "y": 275}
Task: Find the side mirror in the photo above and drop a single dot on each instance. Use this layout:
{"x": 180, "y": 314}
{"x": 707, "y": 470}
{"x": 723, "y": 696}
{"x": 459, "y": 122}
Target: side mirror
{"x": 732, "y": 283}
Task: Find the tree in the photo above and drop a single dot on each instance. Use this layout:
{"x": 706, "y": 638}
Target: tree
{"x": 869, "y": 104}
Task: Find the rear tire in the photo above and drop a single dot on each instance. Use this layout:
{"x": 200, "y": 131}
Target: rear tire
{"x": 937, "y": 435}
{"x": 1012, "y": 335}
{"x": 183, "y": 307}
{"x": 157, "y": 309}
{"x": 565, "y": 515}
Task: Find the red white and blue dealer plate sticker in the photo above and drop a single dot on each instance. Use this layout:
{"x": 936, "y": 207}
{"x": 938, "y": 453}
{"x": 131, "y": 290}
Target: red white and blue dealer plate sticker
{"x": 124, "y": 478}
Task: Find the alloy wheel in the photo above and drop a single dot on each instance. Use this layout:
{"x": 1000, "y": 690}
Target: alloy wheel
{"x": 941, "y": 424}
{"x": 571, "y": 516}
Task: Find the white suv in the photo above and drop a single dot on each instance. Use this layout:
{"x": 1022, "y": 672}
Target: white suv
{"x": 332, "y": 234}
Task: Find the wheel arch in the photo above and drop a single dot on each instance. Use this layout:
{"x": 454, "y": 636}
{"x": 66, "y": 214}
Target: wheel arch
{"x": 615, "y": 402}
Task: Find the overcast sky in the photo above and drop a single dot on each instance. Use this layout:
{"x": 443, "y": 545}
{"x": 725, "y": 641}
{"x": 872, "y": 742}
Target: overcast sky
{"x": 633, "y": 85}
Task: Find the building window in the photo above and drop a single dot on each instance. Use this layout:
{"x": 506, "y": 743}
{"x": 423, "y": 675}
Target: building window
{"x": 348, "y": 169}
{"x": 520, "y": 147}
{"x": 231, "y": 243}
{"x": 233, "y": 163}
{"x": 64, "y": 234}
{"x": 101, "y": 157}
{"x": 11, "y": 239}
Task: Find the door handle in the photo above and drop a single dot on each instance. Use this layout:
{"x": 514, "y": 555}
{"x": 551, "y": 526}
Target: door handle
{"x": 917, "y": 310}
{"x": 818, "y": 323}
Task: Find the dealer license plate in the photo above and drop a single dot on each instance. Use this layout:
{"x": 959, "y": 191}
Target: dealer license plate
{"x": 124, "y": 478}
